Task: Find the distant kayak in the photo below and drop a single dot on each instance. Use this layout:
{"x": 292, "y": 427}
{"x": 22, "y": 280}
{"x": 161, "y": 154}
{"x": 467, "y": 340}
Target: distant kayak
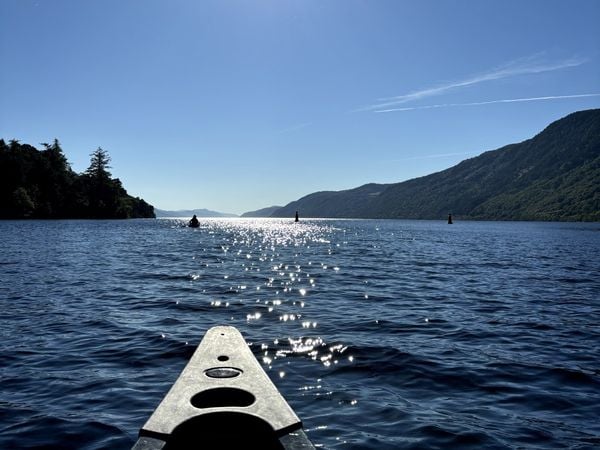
{"x": 194, "y": 222}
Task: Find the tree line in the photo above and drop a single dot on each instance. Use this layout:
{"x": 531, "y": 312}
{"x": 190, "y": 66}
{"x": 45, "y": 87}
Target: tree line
{"x": 40, "y": 184}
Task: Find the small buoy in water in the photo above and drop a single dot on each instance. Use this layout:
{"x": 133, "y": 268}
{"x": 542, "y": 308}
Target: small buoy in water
{"x": 449, "y": 219}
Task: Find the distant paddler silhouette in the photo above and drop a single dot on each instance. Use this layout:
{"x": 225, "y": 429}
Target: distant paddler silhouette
{"x": 297, "y": 220}
{"x": 194, "y": 222}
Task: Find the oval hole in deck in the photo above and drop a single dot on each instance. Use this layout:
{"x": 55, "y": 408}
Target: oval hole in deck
{"x": 222, "y": 397}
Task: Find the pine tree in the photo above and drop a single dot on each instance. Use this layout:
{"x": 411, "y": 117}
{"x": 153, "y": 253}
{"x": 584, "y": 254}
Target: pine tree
{"x": 98, "y": 169}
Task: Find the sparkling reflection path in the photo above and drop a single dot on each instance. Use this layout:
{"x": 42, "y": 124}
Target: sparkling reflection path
{"x": 380, "y": 334}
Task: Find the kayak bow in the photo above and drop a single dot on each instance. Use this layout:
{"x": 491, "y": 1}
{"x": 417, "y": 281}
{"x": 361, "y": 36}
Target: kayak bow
{"x": 223, "y": 398}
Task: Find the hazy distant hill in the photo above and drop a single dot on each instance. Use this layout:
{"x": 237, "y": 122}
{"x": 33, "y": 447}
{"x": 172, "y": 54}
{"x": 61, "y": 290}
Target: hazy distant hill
{"x": 190, "y": 212}
{"x": 553, "y": 176}
{"x": 264, "y": 212}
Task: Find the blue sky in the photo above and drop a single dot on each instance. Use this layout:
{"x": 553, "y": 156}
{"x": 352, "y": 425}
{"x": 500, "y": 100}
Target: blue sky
{"x": 238, "y": 105}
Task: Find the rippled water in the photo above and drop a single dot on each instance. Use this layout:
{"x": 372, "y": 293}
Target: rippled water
{"x": 380, "y": 334}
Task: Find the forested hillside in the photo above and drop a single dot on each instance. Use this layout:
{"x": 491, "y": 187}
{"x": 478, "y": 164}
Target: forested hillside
{"x": 40, "y": 184}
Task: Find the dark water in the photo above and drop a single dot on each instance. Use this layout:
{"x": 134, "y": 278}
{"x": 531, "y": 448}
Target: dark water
{"x": 380, "y": 334}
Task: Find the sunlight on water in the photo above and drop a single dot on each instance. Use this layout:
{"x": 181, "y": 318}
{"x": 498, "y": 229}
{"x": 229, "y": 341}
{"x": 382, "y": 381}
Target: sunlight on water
{"x": 268, "y": 234}
{"x": 263, "y": 246}
{"x": 461, "y": 337}
{"x": 277, "y": 249}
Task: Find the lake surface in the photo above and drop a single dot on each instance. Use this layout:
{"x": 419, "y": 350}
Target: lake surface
{"x": 380, "y": 334}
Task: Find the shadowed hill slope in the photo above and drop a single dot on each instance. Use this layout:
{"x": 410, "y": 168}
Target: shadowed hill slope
{"x": 552, "y": 176}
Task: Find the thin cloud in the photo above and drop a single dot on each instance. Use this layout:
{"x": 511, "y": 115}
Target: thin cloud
{"x": 491, "y": 102}
{"x": 521, "y": 66}
{"x": 295, "y": 127}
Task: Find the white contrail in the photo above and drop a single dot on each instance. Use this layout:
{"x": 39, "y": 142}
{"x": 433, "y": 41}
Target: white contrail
{"x": 491, "y": 102}
{"x": 519, "y": 66}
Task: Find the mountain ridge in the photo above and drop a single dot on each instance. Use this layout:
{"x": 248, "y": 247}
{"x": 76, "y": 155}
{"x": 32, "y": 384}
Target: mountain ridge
{"x": 554, "y": 175}
{"x": 200, "y": 212}
{"x": 263, "y": 212}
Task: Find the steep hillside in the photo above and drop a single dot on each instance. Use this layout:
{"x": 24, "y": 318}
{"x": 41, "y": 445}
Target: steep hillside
{"x": 350, "y": 203}
{"x": 553, "y": 176}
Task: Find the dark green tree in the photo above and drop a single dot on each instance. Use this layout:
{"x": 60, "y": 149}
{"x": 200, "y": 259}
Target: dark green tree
{"x": 99, "y": 165}
{"x": 103, "y": 192}
{"x": 21, "y": 203}
{"x": 54, "y": 179}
